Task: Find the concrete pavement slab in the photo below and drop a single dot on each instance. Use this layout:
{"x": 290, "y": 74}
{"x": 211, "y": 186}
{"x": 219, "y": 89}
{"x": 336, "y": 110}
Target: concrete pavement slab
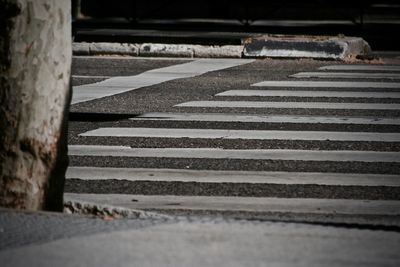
{"x": 215, "y": 243}
{"x": 21, "y": 228}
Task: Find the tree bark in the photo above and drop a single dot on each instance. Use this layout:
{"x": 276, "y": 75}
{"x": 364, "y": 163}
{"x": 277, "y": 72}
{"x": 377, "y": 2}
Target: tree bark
{"x": 35, "y": 61}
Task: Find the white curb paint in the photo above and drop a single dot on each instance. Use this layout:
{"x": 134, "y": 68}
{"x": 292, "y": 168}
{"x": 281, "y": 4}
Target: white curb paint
{"x": 362, "y": 67}
{"x": 326, "y": 84}
{"x": 289, "y": 53}
{"x": 346, "y": 75}
{"x": 243, "y": 134}
{"x": 216, "y": 153}
{"x": 252, "y": 177}
{"x": 117, "y": 85}
{"x": 190, "y": 51}
{"x": 221, "y": 117}
{"x": 289, "y": 105}
{"x": 289, "y": 93}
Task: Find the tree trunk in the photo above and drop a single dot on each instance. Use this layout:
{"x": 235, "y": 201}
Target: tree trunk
{"x": 35, "y": 61}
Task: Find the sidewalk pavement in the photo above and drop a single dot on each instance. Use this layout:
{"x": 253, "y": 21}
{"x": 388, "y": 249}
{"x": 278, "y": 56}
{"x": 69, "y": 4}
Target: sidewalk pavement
{"x": 50, "y": 239}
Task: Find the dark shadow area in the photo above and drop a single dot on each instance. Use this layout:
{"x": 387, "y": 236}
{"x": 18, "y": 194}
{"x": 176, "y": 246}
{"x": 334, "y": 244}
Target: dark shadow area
{"x": 84, "y": 116}
{"x": 228, "y": 22}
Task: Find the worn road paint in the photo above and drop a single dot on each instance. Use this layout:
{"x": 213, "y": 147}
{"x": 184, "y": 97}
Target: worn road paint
{"x": 216, "y": 153}
{"x": 243, "y": 134}
{"x": 297, "y": 93}
{"x": 326, "y": 84}
{"x": 117, "y": 85}
{"x": 346, "y": 75}
{"x": 292, "y": 119}
{"x": 289, "y": 105}
{"x": 211, "y": 176}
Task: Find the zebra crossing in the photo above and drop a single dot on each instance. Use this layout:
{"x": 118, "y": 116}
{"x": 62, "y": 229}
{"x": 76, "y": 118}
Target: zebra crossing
{"x": 333, "y": 176}
{"x": 290, "y": 105}
{"x": 251, "y": 154}
{"x": 218, "y": 117}
{"x": 347, "y": 75}
{"x": 243, "y": 134}
{"x": 298, "y": 93}
{"x": 210, "y": 176}
{"x": 350, "y": 85}
{"x": 361, "y": 67}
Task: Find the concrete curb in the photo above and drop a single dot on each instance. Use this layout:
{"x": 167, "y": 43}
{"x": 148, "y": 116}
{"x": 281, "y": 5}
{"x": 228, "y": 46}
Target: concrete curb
{"x": 76, "y": 206}
{"x": 158, "y": 50}
{"x": 261, "y": 46}
{"x": 323, "y": 47}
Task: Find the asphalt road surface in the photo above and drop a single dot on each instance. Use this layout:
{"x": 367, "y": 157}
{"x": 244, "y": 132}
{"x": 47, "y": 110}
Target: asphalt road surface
{"x": 287, "y": 140}
{"x": 225, "y": 162}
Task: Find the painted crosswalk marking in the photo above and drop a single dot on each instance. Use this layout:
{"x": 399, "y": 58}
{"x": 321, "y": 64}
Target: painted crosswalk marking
{"x": 289, "y": 105}
{"x": 297, "y": 93}
{"x": 362, "y": 67}
{"x": 243, "y": 134}
{"x": 211, "y": 176}
{"x": 229, "y": 117}
{"x": 117, "y": 85}
{"x": 90, "y": 77}
{"x": 217, "y": 153}
{"x": 346, "y": 75}
{"x": 300, "y": 161}
{"x": 328, "y": 84}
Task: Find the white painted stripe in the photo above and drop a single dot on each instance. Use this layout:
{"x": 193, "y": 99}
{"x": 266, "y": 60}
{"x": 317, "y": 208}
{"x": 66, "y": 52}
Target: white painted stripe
{"x": 326, "y": 84}
{"x": 217, "y": 153}
{"x": 291, "y": 93}
{"x": 243, "y": 134}
{"x": 117, "y": 85}
{"x": 221, "y": 117}
{"x": 90, "y": 77}
{"x": 289, "y": 105}
{"x": 362, "y": 67}
{"x": 346, "y": 75}
{"x": 290, "y": 53}
{"x": 248, "y": 204}
{"x": 252, "y": 177}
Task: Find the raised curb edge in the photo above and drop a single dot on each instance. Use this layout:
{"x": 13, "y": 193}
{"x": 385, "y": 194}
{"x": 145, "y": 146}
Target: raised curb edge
{"x": 261, "y": 46}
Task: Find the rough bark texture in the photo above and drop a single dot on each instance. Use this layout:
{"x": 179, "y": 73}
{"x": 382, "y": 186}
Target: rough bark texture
{"x": 35, "y": 59}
